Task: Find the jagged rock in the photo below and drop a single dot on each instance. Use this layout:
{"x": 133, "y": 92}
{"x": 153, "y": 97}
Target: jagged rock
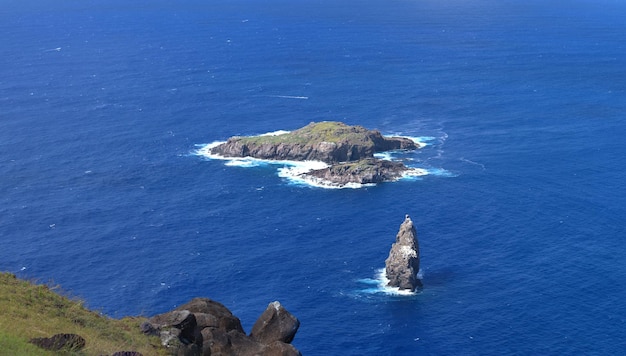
{"x": 60, "y": 342}
{"x": 403, "y": 262}
{"x": 225, "y": 319}
{"x": 275, "y": 324}
{"x": 242, "y": 345}
{"x": 148, "y": 329}
{"x": 206, "y": 327}
{"x": 182, "y": 320}
{"x": 216, "y": 342}
{"x": 205, "y": 320}
{"x": 365, "y": 171}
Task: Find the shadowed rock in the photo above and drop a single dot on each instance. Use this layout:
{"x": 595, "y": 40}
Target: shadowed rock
{"x": 217, "y": 311}
{"x": 206, "y": 327}
{"x": 403, "y": 262}
{"x": 60, "y": 342}
{"x": 275, "y": 324}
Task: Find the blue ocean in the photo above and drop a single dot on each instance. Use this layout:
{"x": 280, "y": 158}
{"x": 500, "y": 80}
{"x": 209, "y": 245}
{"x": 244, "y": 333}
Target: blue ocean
{"x": 105, "y": 106}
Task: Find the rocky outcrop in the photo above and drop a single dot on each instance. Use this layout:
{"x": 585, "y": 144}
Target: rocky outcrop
{"x": 348, "y": 150}
{"x": 365, "y": 171}
{"x": 403, "y": 262}
{"x": 329, "y": 142}
{"x": 275, "y": 324}
{"x": 206, "y": 327}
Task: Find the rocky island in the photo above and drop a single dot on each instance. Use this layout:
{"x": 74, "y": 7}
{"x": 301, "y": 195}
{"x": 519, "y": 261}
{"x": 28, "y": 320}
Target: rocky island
{"x": 347, "y": 150}
{"x": 403, "y": 263}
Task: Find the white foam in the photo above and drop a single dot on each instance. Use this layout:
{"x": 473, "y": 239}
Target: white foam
{"x": 204, "y": 150}
{"x": 382, "y": 287}
{"x": 243, "y": 162}
{"x": 297, "y": 175}
{"x": 384, "y": 155}
{"x": 422, "y": 141}
{"x": 288, "y": 97}
{"x": 415, "y": 172}
{"x": 440, "y": 172}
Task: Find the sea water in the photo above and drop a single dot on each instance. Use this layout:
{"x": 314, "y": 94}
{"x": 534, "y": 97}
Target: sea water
{"x": 520, "y": 219}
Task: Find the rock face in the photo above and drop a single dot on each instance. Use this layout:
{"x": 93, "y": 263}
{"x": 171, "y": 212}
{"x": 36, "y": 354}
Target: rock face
{"x": 329, "y": 142}
{"x": 349, "y": 150}
{"x": 206, "y": 327}
{"x": 365, "y": 171}
{"x": 275, "y": 324}
{"x": 403, "y": 262}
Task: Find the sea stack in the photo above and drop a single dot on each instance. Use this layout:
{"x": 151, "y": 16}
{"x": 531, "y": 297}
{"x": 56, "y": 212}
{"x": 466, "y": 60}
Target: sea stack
{"x": 403, "y": 262}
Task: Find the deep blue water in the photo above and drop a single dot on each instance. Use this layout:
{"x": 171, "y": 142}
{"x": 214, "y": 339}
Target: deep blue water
{"x": 102, "y": 105}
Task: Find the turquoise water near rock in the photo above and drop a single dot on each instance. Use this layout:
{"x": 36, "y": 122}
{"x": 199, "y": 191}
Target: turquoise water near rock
{"x": 103, "y": 106}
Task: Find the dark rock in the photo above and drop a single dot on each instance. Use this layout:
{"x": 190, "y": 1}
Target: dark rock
{"x": 127, "y": 353}
{"x": 278, "y": 348}
{"x": 148, "y": 329}
{"x": 183, "y": 320}
{"x": 204, "y": 320}
{"x": 403, "y": 262}
{"x": 60, "y": 342}
{"x": 275, "y": 324}
{"x": 243, "y": 345}
{"x": 216, "y": 331}
{"x": 365, "y": 171}
{"x": 225, "y": 319}
{"x": 216, "y": 342}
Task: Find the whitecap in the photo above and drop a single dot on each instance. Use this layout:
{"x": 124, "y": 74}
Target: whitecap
{"x": 298, "y": 176}
{"x": 381, "y": 285}
{"x": 422, "y": 141}
{"x": 288, "y": 97}
{"x": 440, "y": 172}
{"x": 388, "y": 156}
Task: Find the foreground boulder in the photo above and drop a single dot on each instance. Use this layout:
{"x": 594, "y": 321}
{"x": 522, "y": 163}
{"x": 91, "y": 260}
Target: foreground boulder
{"x": 403, "y": 262}
{"x": 275, "y": 324}
{"x": 206, "y": 327}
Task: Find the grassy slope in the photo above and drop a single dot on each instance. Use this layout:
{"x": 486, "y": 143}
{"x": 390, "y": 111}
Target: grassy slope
{"x": 28, "y": 310}
{"x": 327, "y": 131}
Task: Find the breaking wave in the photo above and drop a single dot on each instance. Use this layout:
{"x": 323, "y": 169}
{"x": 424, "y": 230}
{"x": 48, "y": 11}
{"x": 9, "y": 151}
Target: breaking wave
{"x": 295, "y": 171}
{"x": 378, "y": 285}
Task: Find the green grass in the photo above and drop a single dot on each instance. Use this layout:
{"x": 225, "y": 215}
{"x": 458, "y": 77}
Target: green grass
{"x": 29, "y": 310}
{"x": 326, "y": 131}
{"x": 13, "y": 345}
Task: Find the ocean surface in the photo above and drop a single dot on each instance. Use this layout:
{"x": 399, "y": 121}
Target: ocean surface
{"x": 105, "y": 106}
